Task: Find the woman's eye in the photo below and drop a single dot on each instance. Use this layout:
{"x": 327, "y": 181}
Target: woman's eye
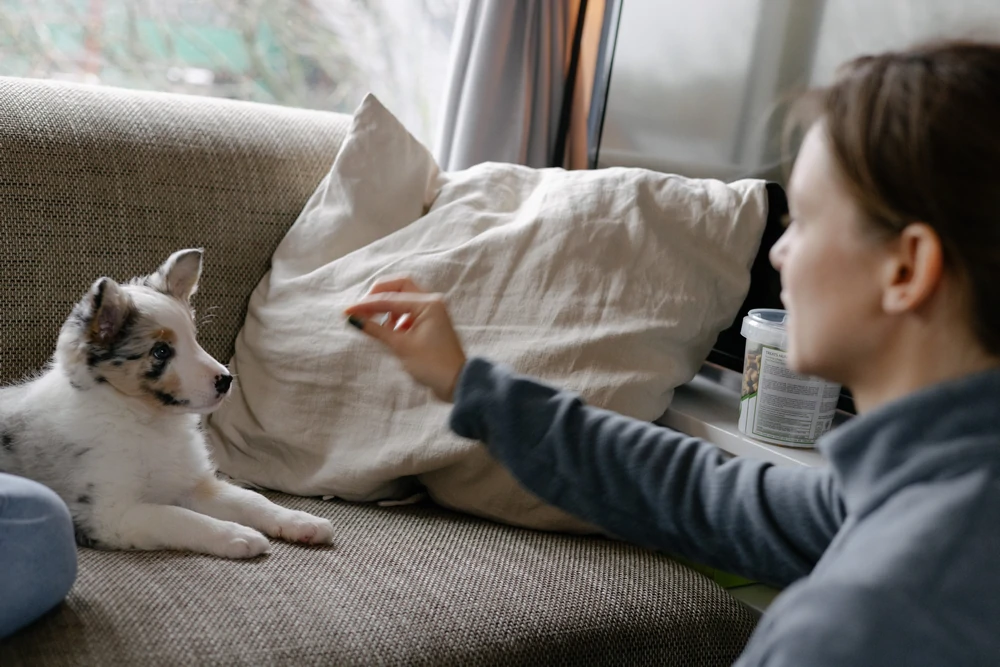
{"x": 162, "y": 351}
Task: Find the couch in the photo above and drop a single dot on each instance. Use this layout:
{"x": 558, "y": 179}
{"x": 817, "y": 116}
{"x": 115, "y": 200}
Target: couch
{"x": 102, "y": 181}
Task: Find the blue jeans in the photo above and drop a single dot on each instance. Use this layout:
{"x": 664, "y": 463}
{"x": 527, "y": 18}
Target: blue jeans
{"x": 37, "y": 552}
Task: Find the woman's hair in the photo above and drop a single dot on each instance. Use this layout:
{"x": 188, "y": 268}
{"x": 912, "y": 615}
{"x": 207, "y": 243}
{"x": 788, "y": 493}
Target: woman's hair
{"x": 916, "y": 134}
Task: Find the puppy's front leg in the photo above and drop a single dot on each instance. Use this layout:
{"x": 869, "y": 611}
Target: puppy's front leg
{"x": 232, "y": 503}
{"x": 152, "y": 527}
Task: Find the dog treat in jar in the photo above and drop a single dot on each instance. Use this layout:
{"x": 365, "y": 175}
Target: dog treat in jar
{"x": 778, "y": 405}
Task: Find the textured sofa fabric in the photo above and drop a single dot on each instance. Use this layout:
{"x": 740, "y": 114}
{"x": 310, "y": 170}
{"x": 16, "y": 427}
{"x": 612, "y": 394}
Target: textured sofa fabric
{"x": 402, "y": 586}
{"x": 101, "y": 181}
{"x": 98, "y": 181}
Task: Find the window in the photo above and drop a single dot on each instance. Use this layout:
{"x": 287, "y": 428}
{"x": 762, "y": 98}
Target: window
{"x": 698, "y": 87}
{"x": 849, "y": 29}
{"x": 318, "y": 54}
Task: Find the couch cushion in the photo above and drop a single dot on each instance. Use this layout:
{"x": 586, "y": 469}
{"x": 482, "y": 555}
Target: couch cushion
{"x": 613, "y": 283}
{"x": 103, "y": 181}
{"x": 401, "y": 586}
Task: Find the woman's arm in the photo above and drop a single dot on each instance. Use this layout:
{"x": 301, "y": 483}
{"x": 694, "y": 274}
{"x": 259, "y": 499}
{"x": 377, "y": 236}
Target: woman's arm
{"x": 643, "y": 483}
{"x": 647, "y": 484}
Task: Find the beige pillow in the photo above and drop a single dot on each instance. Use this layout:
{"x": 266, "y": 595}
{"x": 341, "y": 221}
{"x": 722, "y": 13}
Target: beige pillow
{"x": 611, "y": 283}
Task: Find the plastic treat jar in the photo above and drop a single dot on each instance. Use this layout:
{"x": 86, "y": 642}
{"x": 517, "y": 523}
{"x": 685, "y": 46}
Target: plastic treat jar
{"x": 778, "y": 405}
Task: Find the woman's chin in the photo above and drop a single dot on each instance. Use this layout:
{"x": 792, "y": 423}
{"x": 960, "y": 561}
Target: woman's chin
{"x": 810, "y": 366}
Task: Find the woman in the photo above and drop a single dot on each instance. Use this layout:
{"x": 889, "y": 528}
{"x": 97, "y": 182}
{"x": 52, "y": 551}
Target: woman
{"x": 889, "y": 554}
{"x": 37, "y": 550}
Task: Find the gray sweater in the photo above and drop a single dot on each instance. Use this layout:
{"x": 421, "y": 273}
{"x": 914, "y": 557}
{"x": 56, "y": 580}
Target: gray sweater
{"x": 890, "y": 556}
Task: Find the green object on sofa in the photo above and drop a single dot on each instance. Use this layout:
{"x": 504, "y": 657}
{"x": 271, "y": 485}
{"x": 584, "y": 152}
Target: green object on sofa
{"x": 102, "y": 181}
{"x": 724, "y": 579}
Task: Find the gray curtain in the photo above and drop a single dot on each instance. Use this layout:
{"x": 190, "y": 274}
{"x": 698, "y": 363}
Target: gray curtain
{"x": 506, "y": 81}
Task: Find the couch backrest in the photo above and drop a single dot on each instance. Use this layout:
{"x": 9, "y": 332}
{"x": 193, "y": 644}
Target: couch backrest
{"x": 101, "y": 181}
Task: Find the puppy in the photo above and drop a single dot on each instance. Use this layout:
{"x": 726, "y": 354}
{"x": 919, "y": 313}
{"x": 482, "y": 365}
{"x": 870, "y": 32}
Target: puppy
{"x": 113, "y": 426}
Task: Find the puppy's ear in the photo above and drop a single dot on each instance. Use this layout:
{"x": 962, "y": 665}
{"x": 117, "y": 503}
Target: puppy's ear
{"x": 110, "y": 309}
{"x": 178, "y": 276}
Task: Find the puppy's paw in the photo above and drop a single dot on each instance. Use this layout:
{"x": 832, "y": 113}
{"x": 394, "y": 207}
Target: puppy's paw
{"x": 240, "y": 542}
{"x": 295, "y": 526}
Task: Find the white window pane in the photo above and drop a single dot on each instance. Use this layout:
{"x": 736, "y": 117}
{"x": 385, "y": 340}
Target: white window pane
{"x": 854, "y": 27}
{"x": 678, "y": 83}
{"x": 699, "y": 87}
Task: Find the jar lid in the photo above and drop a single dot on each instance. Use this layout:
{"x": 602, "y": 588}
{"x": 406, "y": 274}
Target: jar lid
{"x": 766, "y": 326}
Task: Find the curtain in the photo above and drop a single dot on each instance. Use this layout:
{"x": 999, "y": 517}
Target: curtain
{"x": 507, "y": 76}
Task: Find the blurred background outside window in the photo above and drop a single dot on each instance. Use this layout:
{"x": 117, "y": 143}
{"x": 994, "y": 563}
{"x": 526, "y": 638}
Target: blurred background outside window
{"x": 317, "y": 54}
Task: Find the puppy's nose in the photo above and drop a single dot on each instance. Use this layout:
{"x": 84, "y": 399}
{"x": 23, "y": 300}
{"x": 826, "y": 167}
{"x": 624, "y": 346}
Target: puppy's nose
{"x": 222, "y": 383}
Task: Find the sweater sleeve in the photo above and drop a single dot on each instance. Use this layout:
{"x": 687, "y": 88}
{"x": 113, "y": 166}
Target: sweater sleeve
{"x": 648, "y": 484}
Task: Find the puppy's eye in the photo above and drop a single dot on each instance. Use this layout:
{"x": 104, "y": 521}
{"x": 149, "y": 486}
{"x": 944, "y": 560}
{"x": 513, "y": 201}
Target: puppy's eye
{"x": 162, "y": 351}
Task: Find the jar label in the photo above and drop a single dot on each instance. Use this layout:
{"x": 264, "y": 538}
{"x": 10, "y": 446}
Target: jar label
{"x": 787, "y": 408}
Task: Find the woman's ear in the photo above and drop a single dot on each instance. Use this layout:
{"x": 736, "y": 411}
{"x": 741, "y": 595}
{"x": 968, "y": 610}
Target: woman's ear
{"x": 914, "y": 270}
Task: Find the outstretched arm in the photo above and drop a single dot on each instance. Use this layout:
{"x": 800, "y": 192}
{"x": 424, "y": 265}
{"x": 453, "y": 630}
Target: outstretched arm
{"x": 648, "y": 484}
{"x": 644, "y": 483}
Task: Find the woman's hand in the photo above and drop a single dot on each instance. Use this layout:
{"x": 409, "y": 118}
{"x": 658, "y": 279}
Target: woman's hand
{"x": 417, "y": 329}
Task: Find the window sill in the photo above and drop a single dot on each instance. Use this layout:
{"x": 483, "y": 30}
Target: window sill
{"x": 708, "y": 408}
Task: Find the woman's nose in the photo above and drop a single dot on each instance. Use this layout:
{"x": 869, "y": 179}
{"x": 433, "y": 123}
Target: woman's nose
{"x": 778, "y": 252}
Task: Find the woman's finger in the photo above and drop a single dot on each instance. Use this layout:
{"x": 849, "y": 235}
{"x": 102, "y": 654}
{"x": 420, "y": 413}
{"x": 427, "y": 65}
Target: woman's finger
{"x": 393, "y": 303}
{"x": 403, "y": 322}
{"x": 402, "y": 284}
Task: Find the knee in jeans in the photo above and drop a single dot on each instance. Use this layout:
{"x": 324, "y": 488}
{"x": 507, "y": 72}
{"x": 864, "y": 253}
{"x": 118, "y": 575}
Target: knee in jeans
{"x": 51, "y": 536}
{"x": 26, "y": 499}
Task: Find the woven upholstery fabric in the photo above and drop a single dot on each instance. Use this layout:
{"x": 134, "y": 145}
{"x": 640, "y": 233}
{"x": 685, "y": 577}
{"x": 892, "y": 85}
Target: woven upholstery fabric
{"x": 97, "y": 181}
{"x": 401, "y": 586}
{"x": 103, "y": 181}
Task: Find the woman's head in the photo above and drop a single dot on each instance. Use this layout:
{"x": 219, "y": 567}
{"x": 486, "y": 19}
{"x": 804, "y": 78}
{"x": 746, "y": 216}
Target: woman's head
{"x": 895, "y": 202}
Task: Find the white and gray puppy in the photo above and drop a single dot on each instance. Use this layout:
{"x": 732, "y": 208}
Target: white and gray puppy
{"x": 113, "y": 426}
